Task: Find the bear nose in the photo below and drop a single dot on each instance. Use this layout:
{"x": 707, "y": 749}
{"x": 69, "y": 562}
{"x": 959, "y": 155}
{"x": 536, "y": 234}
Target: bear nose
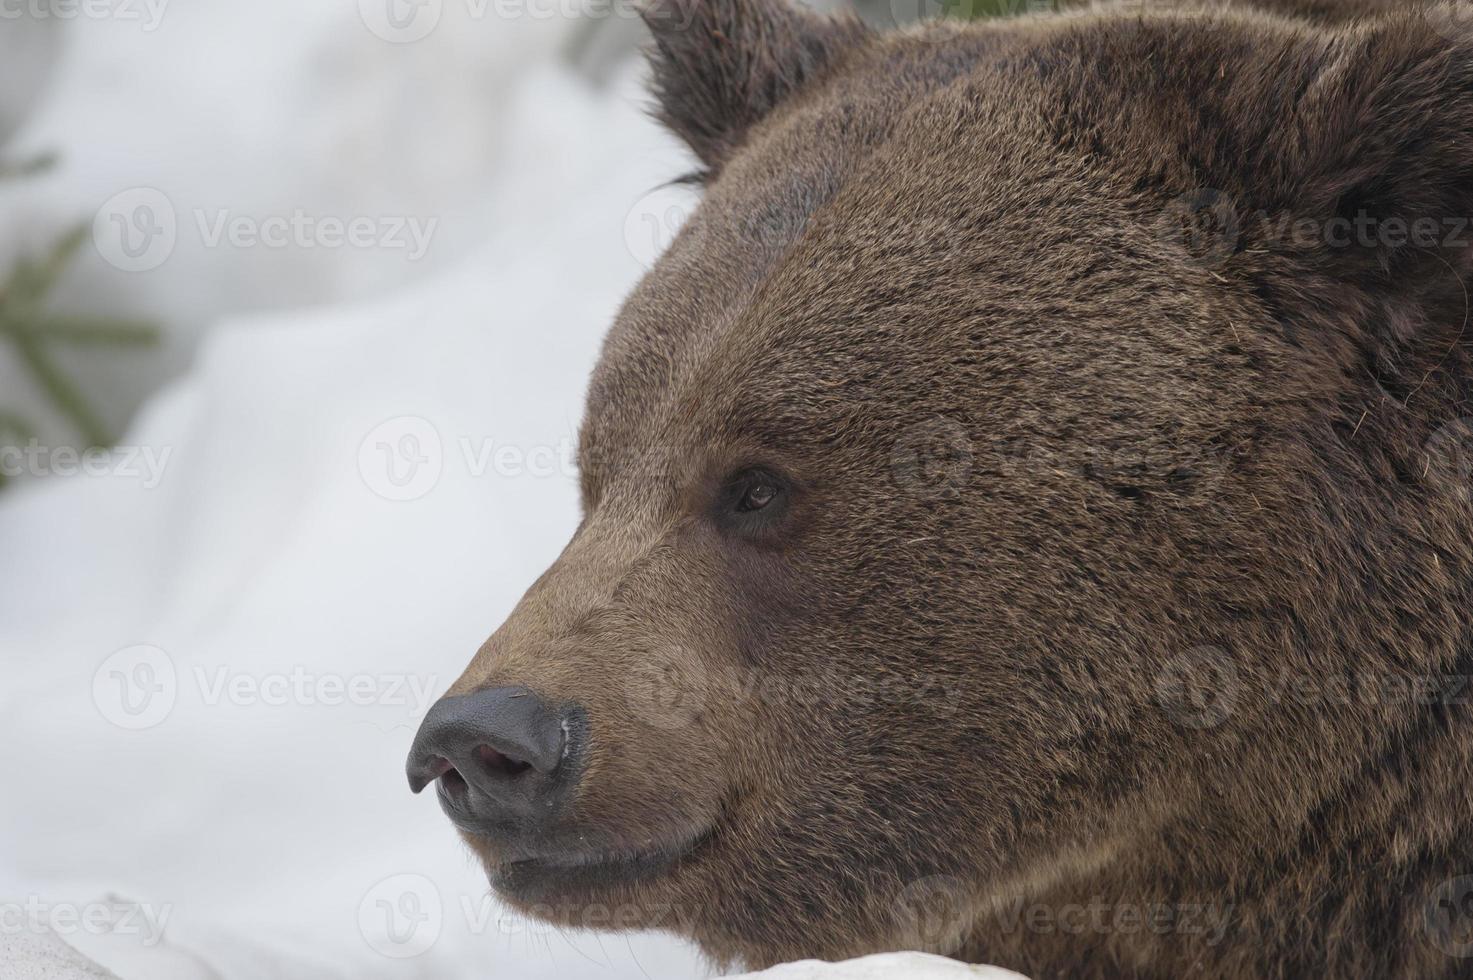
{"x": 498, "y": 754}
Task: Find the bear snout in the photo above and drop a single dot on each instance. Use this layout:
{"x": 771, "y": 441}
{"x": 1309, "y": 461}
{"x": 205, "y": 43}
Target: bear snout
{"x": 501, "y": 758}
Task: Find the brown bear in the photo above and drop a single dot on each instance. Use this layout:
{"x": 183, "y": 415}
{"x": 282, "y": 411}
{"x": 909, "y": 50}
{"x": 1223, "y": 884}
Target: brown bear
{"x": 1026, "y": 512}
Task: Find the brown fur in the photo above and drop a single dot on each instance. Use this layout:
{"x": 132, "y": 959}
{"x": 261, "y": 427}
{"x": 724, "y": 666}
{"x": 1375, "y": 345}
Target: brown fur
{"x": 1095, "y": 540}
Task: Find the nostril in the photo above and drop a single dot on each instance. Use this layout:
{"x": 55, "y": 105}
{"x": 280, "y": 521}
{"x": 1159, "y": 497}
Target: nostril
{"x": 499, "y": 763}
{"x": 453, "y": 783}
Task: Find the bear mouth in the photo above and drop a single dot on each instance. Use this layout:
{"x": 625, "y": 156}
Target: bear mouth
{"x": 542, "y": 878}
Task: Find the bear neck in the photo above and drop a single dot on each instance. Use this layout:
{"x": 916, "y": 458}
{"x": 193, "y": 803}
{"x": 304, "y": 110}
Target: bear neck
{"x": 1374, "y": 881}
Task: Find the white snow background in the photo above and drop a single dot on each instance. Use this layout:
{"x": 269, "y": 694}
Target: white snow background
{"x": 349, "y": 464}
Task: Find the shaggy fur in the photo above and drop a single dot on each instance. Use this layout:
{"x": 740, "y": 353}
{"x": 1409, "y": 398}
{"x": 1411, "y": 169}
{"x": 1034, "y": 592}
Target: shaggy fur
{"x": 1114, "y": 615}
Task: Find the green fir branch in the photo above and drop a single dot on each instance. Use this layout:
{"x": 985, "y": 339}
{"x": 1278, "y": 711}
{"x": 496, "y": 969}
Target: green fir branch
{"x": 96, "y": 331}
{"x": 31, "y": 332}
{"x": 14, "y": 430}
{"x": 37, "y": 164}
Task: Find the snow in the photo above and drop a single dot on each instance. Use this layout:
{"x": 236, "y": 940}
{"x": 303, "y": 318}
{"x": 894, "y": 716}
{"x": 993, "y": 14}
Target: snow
{"x": 258, "y": 803}
{"x": 266, "y": 554}
{"x": 43, "y": 955}
{"x": 256, "y": 111}
{"x": 217, "y": 644}
{"x": 886, "y": 966}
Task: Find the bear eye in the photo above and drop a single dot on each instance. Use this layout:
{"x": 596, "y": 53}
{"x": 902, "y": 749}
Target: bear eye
{"x": 757, "y": 495}
{"x": 751, "y": 501}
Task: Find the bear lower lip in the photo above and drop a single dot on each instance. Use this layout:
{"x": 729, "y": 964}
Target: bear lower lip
{"x": 542, "y": 877}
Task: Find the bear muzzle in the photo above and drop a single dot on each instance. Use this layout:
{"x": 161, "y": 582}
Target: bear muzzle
{"x": 503, "y": 761}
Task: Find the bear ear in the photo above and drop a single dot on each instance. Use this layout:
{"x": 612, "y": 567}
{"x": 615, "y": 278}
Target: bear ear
{"x": 721, "y": 65}
{"x": 1367, "y": 168}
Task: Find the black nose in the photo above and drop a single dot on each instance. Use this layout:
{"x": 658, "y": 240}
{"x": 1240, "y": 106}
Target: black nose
{"x": 500, "y": 757}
